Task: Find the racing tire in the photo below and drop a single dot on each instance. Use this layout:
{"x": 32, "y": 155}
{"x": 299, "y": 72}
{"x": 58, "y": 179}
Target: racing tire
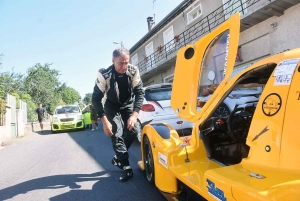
{"x": 148, "y": 160}
{"x": 222, "y": 111}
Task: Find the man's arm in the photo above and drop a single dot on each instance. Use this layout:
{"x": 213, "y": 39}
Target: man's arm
{"x": 98, "y": 94}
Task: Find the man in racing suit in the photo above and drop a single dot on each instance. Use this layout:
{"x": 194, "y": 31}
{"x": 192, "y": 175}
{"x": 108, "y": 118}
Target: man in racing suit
{"x": 120, "y": 82}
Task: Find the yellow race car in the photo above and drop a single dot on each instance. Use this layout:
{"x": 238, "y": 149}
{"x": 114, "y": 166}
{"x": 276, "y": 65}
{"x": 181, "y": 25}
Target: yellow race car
{"x": 250, "y": 154}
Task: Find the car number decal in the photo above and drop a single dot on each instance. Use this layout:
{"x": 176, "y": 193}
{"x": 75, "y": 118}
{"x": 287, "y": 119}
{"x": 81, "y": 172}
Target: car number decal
{"x": 284, "y": 72}
{"x": 163, "y": 160}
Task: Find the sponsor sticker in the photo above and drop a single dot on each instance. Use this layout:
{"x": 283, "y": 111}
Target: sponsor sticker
{"x": 284, "y": 72}
{"x": 214, "y": 191}
{"x": 271, "y": 104}
{"x": 163, "y": 160}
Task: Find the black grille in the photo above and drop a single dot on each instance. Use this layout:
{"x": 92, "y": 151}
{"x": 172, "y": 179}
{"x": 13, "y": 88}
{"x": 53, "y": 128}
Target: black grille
{"x": 66, "y": 119}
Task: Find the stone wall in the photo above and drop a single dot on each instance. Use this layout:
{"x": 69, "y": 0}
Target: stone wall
{"x": 33, "y": 127}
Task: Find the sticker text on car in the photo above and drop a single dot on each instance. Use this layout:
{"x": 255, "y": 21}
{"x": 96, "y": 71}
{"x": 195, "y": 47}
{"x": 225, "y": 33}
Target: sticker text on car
{"x": 163, "y": 160}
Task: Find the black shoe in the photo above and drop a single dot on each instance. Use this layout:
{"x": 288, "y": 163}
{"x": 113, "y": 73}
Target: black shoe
{"x": 116, "y": 163}
{"x": 127, "y": 174}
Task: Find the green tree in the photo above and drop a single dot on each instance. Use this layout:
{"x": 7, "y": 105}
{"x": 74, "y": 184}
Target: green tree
{"x": 43, "y": 85}
{"x": 31, "y": 107}
{"x": 17, "y": 99}
{"x": 87, "y": 98}
{"x": 70, "y": 95}
{"x": 11, "y": 82}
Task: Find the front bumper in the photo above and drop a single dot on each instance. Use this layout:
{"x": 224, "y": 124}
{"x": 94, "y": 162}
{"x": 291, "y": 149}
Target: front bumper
{"x": 73, "y": 125}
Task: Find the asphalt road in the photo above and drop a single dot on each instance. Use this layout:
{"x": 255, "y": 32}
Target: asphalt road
{"x": 69, "y": 166}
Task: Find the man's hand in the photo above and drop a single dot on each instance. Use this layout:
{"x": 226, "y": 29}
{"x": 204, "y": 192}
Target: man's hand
{"x": 132, "y": 120}
{"x": 107, "y": 127}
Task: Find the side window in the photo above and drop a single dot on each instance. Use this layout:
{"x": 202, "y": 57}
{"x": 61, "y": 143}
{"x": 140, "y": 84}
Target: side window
{"x": 194, "y": 14}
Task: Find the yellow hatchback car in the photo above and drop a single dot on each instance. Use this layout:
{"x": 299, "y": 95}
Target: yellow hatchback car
{"x": 250, "y": 154}
{"x": 67, "y": 117}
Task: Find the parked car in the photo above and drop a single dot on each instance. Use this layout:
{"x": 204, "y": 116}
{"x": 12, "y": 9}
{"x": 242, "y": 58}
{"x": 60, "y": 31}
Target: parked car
{"x": 239, "y": 97}
{"x": 156, "y": 108}
{"x": 67, "y": 117}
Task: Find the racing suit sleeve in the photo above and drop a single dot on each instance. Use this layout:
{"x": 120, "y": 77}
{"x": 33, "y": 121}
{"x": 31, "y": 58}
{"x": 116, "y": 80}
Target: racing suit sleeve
{"x": 98, "y": 94}
{"x": 138, "y": 91}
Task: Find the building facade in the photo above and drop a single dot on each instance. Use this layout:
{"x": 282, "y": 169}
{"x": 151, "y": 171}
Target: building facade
{"x": 267, "y": 28}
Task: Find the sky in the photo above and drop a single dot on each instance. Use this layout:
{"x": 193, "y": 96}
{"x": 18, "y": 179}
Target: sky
{"x": 75, "y": 36}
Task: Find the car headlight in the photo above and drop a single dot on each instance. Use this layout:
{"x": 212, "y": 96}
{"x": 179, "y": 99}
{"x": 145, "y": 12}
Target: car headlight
{"x": 235, "y": 96}
{"x": 79, "y": 117}
{"x": 55, "y": 119}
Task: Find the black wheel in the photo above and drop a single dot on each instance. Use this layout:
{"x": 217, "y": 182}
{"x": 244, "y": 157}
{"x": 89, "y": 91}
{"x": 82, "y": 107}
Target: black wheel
{"x": 53, "y": 132}
{"x": 222, "y": 111}
{"x": 148, "y": 160}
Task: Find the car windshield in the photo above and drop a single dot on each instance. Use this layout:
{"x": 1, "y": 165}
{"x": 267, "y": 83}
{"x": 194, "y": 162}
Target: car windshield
{"x": 67, "y": 109}
{"x": 158, "y": 94}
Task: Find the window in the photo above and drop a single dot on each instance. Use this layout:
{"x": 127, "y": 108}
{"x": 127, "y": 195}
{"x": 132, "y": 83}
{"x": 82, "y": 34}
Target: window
{"x": 169, "y": 79}
{"x": 168, "y": 35}
{"x": 233, "y": 6}
{"x": 194, "y": 14}
{"x": 134, "y": 59}
{"x": 158, "y": 94}
{"x": 149, "y": 51}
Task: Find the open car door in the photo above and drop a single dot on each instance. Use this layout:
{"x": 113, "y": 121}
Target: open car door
{"x": 203, "y": 69}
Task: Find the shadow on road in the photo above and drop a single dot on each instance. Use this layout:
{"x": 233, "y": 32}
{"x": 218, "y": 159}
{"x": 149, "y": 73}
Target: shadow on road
{"x": 51, "y": 182}
{"x": 102, "y": 189}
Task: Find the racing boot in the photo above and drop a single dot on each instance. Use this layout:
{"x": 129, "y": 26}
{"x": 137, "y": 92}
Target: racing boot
{"x": 127, "y": 174}
{"x": 116, "y": 162}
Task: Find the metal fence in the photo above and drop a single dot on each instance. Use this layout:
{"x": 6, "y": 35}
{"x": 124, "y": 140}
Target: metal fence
{"x": 204, "y": 26}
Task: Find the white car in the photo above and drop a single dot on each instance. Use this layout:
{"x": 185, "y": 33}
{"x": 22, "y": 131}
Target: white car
{"x": 157, "y": 109}
{"x": 238, "y": 98}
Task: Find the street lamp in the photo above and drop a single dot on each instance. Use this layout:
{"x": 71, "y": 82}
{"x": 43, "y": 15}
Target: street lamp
{"x": 121, "y": 43}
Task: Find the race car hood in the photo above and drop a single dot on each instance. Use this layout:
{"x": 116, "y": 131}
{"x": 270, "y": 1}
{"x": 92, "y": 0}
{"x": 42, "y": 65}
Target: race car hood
{"x": 203, "y": 69}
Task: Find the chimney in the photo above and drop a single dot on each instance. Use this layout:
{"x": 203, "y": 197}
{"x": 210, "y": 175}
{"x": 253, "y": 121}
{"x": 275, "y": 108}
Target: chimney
{"x": 150, "y": 23}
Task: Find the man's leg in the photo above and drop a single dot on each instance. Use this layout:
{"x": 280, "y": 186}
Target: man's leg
{"x": 121, "y": 158}
{"x": 93, "y": 124}
{"x": 41, "y": 123}
{"x": 128, "y": 136}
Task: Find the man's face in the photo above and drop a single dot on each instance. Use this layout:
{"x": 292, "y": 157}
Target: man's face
{"x": 40, "y": 105}
{"x": 121, "y": 64}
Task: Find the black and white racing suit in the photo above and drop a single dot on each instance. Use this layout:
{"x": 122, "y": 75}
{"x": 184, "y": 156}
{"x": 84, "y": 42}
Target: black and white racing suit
{"x": 119, "y": 104}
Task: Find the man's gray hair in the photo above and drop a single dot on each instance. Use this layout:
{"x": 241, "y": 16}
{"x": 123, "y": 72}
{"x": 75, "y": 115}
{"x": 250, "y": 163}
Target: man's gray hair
{"x": 121, "y": 51}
